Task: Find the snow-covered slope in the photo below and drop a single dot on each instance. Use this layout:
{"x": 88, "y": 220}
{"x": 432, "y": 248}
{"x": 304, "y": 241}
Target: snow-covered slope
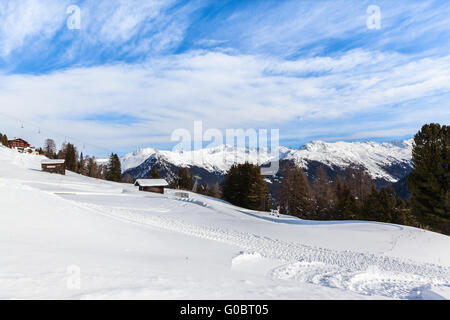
{"x": 77, "y": 237}
{"x": 375, "y": 158}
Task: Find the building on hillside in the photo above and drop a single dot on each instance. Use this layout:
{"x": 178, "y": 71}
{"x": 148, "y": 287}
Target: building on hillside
{"x": 151, "y": 185}
{"x": 54, "y": 166}
{"x": 21, "y": 146}
{"x": 18, "y": 144}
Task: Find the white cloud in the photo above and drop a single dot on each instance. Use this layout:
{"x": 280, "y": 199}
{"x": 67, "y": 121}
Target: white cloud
{"x": 226, "y": 91}
{"x": 22, "y": 20}
{"x": 128, "y": 27}
{"x": 120, "y": 20}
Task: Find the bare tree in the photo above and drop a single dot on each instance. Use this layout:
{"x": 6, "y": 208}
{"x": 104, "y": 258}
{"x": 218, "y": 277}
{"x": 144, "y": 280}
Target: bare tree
{"x": 50, "y": 148}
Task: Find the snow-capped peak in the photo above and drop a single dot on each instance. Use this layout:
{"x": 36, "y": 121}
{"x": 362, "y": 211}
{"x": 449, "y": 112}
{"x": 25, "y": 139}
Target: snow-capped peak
{"x": 133, "y": 159}
{"x": 372, "y": 156}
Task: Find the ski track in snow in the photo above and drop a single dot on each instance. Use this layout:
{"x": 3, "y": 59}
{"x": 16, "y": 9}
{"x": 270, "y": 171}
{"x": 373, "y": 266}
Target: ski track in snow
{"x": 363, "y": 273}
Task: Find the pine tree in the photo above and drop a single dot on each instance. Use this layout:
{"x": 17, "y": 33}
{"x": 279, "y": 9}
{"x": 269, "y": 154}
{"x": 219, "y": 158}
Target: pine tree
{"x": 346, "y": 208}
{"x": 114, "y": 172}
{"x": 402, "y": 214}
{"x": 324, "y": 194}
{"x": 296, "y": 196}
{"x": 429, "y": 181}
{"x": 372, "y": 208}
{"x": 384, "y": 206}
{"x": 154, "y": 173}
{"x": 232, "y": 189}
{"x": 70, "y": 155}
{"x": 5, "y": 140}
{"x": 184, "y": 179}
{"x": 259, "y": 197}
{"x": 82, "y": 165}
{"x": 388, "y": 201}
{"x": 244, "y": 186}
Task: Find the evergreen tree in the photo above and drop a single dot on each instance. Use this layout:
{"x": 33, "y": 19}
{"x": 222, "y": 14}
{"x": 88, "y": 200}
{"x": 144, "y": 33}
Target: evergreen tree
{"x": 154, "y": 173}
{"x": 114, "y": 171}
{"x": 324, "y": 194}
{"x": 184, "y": 179}
{"x": 346, "y": 208}
{"x": 70, "y": 155}
{"x": 402, "y": 214}
{"x": 82, "y": 165}
{"x": 384, "y": 206}
{"x": 429, "y": 181}
{"x": 244, "y": 186}
{"x": 371, "y": 208}
{"x": 259, "y": 197}
{"x": 388, "y": 202}
{"x": 5, "y": 141}
{"x": 296, "y": 196}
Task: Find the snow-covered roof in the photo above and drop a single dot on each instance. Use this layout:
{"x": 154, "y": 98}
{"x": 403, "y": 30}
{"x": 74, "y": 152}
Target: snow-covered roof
{"x": 53, "y": 161}
{"x": 151, "y": 183}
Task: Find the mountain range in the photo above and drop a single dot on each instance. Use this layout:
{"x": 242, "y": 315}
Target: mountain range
{"x": 385, "y": 162}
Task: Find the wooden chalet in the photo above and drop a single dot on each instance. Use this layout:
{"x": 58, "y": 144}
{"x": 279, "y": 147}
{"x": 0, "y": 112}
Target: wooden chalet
{"x": 151, "y": 185}
{"x": 54, "y": 166}
{"x": 18, "y": 144}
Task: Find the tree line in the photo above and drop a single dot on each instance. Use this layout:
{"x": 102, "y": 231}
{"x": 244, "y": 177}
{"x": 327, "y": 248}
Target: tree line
{"x": 84, "y": 164}
{"x": 352, "y": 196}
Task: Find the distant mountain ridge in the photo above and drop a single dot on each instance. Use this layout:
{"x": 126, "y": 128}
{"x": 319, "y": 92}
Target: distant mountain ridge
{"x": 385, "y": 162}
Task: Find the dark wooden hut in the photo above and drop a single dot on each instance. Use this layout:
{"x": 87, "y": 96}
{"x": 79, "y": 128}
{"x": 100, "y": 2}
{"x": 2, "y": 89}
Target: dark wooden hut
{"x": 54, "y": 166}
{"x": 151, "y": 185}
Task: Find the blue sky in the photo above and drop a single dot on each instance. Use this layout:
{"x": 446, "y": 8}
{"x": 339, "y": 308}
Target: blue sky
{"x": 136, "y": 71}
